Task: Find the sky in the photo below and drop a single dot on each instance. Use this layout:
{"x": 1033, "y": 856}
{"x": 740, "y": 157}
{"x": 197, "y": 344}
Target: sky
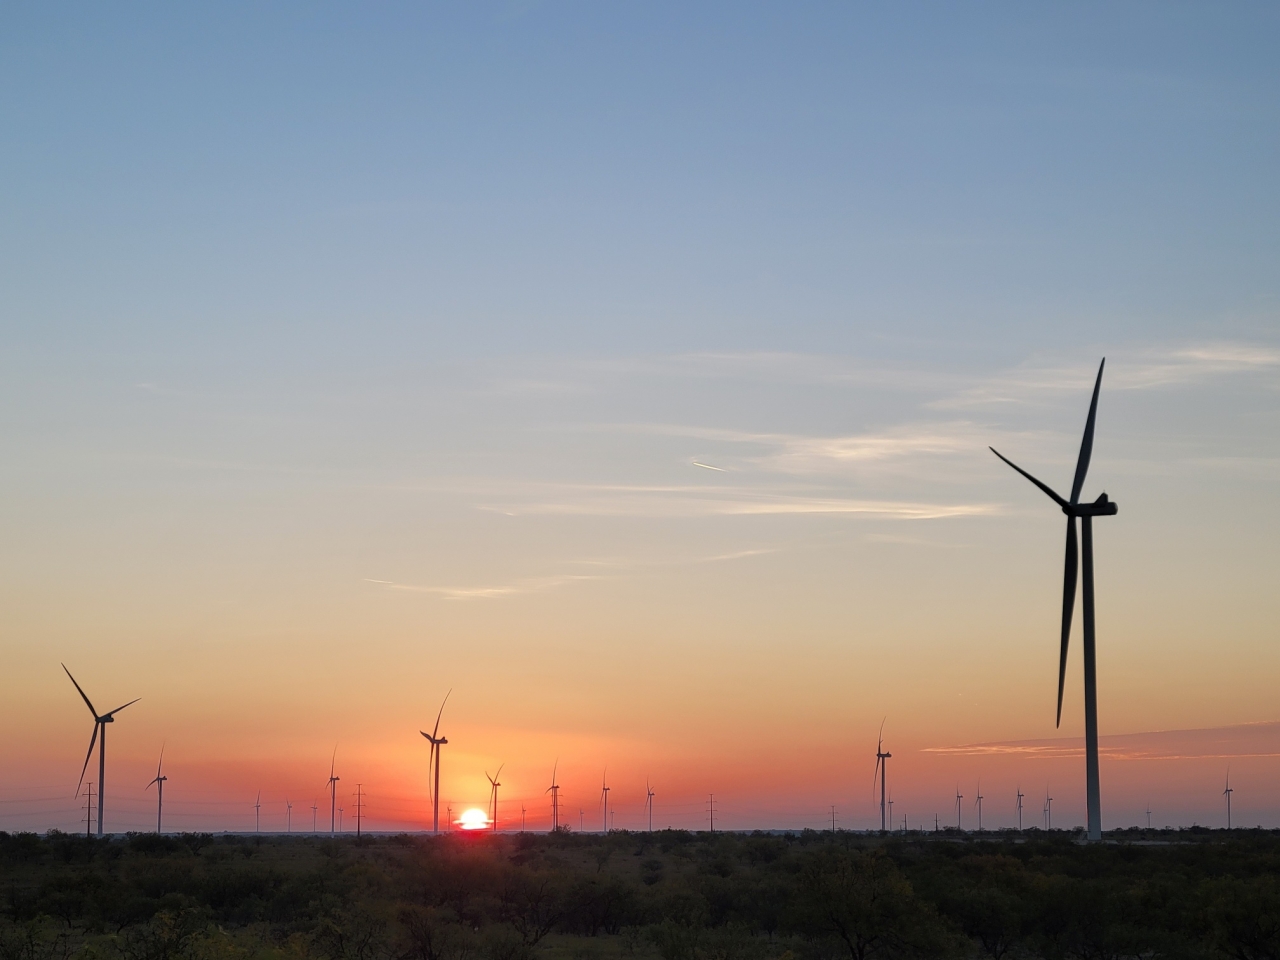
{"x": 629, "y": 371}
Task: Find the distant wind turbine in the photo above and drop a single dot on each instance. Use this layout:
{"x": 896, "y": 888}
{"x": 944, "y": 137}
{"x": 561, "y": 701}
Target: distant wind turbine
{"x": 978, "y": 804}
{"x": 1227, "y": 793}
{"x": 333, "y": 791}
{"x": 437, "y": 742}
{"x": 99, "y": 728}
{"x": 554, "y": 790}
{"x": 882, "y": 771}
{"x": 890, "y": 806}
{"x": 1073, "y": 508}
{"x": 1148, "y": 815}
{"x": 159, "y": 782}
{"x": 604, "y": 798}
{"x": 1048, "y": 810}
{"x": 493, "y": 797}
{"x": 959, "y": 797}
{"x": 288, "y": 816}
{"x": 1020, "y": 796}
{"x": 648, "y": 801}
{"x": 315, "y": 808}
{"x": 257, "y": 813}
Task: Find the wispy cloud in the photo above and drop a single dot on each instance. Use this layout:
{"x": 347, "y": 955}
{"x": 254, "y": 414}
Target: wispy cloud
{"x": 1211, "y": 743}
{"x": 1143, "y": 370}
{"x": 516, "y": 587}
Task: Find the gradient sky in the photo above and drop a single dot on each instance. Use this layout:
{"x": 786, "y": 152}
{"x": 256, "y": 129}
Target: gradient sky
{"x": 629, "y": 370}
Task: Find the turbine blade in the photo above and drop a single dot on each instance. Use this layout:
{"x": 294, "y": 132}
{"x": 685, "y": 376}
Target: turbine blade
{"x": 1086, "y": 445}
{"x": 440, "y": 714}
{"x": 1068, "y": 607}
{"x": 112, "y": 713}
{"x": 1053, "y": 496}
{"x": 89, "y": 755}
{"x": 82, "y": 693}
{"x": 499, "y": 773}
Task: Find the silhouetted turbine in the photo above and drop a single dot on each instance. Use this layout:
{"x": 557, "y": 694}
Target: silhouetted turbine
{"x": 1073, "y": 508}
{"x": 99, "y": 727}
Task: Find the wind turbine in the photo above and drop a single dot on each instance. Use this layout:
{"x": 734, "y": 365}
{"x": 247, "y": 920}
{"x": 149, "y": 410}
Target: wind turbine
{"x": 959, "y": 797}
{"x": 288, "y": 816}
{"x": 99, "y": 727}
{"x": 891, "y": 806}
{"x": 493, "y": 796}
{"x": 648, "y": 801}
{"x": 333, "y": 791}
{"x": 1148, "y": 816}
{"x": 1226, "y": 793}
{"x": 554, "y": 790}
{"x": 604, "y": 798}
{"x": 437, "y": 742}
{"x": 159, "y": 785}
{"x": 257, "y": 813}
{"x": 1020, "y": 796}
{"x": 1048, "y": 810}
{"x": 978, "y": 803}
{"x": 1073, "y": 508}
{"x": 882, "y": 770}
{"x": 315, "y": 808}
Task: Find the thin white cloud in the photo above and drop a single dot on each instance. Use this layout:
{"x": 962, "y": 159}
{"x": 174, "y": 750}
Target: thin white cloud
{"x": 1210, "y": 743}
{"x": 522, "y": 586}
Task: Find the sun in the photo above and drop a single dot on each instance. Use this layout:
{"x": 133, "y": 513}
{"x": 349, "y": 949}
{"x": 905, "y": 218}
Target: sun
{"x": 473, "y": 819}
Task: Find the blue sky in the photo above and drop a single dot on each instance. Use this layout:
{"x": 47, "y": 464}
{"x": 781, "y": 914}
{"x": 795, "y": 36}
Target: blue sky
{"x": 595, "y": 359}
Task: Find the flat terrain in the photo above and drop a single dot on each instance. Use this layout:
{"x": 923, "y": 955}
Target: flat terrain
{"x": 633, "y": 896}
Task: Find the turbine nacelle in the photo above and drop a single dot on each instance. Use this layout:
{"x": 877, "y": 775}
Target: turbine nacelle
{"x": 1102, "y": 507}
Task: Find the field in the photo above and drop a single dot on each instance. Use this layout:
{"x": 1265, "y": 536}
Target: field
{"x": 668, "y": 895}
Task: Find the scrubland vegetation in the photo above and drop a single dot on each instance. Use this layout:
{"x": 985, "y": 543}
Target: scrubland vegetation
{"x": 669, "y": 895}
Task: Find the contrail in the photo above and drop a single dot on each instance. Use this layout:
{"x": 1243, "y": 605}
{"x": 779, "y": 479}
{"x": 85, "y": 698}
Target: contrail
{"x": 707, "y": 466}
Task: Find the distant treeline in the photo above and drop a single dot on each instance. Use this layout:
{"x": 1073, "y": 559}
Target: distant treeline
{"x": 671, "y": 895}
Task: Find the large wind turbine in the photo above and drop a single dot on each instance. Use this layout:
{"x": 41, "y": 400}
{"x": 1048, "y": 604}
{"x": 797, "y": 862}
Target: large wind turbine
{"x": 978, "y": 804}
{"x": 99, "y": 727}
{"x": 493, "y": 796}
{"x": 882, "y": 770}
{"x": 1073, "y": 508}
{"x": 959, "y": 797}
{"x": 1227, "y": 793}
{"x": 648, "y": 801}
{"x": 554, "y": 790}
{"x": 257, "y": 813}
{"x": 159, "y": 785}
{"x": 437, "y": 742}
{"x": 1020, "y": 796}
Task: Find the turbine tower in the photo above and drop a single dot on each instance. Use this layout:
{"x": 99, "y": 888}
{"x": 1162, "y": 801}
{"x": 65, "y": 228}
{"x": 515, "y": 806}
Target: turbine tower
{"x": 978, "y": 804}
{"x": 257, "y": 813}
{"x": 604, "y": 798}
{"x": 648, "y": 801}
{"x": 554, "y": 790}
{"x": 959, "y": 797}
{"x": 99, "y": 728}
{"x": 1226, "y": 793}
{"x": 288, "y": 816}
{"x": 493, "y": 796}
{"x": 333, "y": 793}
{"x": 882, "y": 770}
{"x": 1020, "y": 796}
{"x": 315, "y": 808}
{"x": 1073, "y": 508}
{"x": 1048, "y": 811}
{"x": 159, "y": 785}
{"x": 437, "y": 742}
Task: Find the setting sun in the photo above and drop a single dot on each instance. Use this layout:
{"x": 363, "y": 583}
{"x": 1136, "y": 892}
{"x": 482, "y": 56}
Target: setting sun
{"x": 473, "y": 819}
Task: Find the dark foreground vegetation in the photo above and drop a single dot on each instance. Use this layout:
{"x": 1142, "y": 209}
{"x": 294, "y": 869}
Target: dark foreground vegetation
{"x": 668, "y": 895}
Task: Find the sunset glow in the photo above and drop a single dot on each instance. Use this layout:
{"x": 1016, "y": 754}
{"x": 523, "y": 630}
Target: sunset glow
{"x": 629, "y": 370}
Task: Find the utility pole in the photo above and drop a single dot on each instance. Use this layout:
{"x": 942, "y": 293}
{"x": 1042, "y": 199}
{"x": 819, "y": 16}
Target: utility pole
{"x": 359, "y": 807}
{"x": 935, "y": 823}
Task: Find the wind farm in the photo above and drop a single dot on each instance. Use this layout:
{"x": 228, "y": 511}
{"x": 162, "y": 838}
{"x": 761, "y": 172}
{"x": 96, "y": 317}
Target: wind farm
{"x": 673, "y": 395}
